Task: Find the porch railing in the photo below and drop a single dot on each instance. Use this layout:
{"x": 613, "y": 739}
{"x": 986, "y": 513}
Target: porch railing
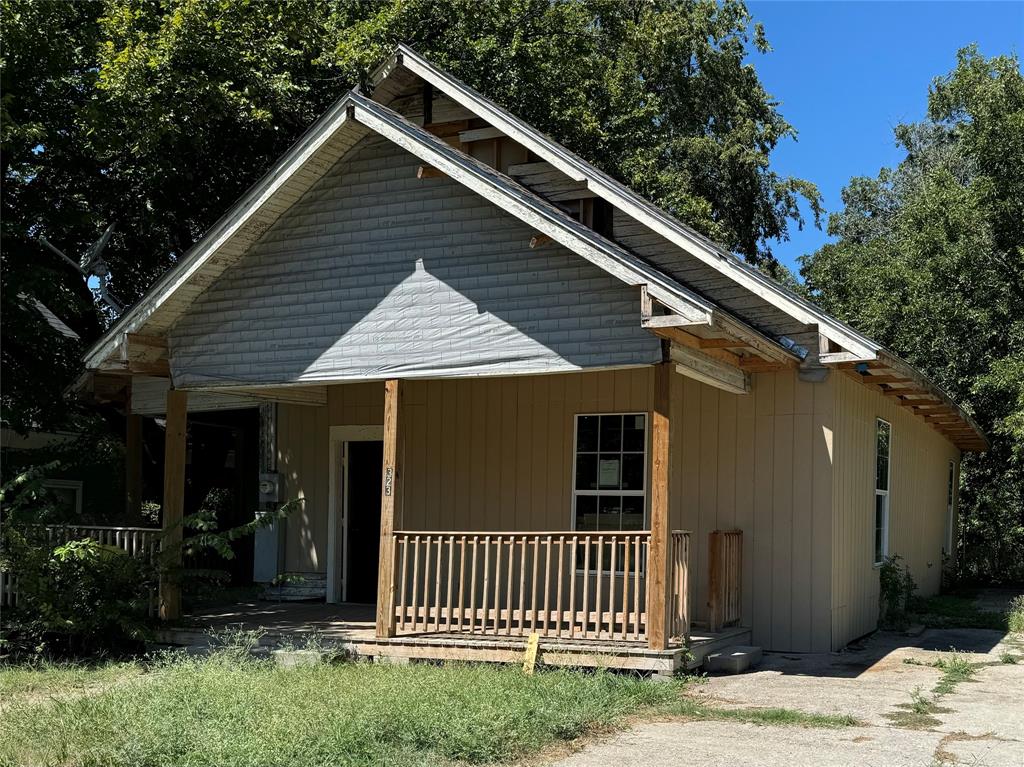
{"x": 571, "y": 585}
{"x": 136, "y": 541}
{"x": 725, "y": 575}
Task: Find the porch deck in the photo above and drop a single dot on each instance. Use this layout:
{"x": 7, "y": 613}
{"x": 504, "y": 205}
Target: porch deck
{"x": 351, "y": 627}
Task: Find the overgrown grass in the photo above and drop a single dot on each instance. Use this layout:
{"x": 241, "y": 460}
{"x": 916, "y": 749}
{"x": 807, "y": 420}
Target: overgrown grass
{"x": 956, "y": 667}
{"x": 39, "y": 680}
{"x": 690, "y": 708}
{"x": 958, "y": 611}
{"x": 232, "y": 709}
{"x": 1015, "y": 615}
{"x": 226, "y": 710}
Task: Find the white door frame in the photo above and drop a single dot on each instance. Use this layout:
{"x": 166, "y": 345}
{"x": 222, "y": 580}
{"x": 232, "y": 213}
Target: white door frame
{"x": 337, "y": 504}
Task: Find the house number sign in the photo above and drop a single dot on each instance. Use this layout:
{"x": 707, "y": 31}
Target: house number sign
{"x": 389, "y": 477}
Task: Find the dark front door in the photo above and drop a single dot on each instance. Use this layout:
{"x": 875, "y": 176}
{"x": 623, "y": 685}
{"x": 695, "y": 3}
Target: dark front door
{"x": 364, "y": 480}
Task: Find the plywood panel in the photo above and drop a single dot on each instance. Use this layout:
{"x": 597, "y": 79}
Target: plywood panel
{"x": 917, "y": 504}
{"x": 496, "y": 454}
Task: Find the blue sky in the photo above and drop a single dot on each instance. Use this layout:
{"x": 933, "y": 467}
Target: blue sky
{"x": 846, "y": 73}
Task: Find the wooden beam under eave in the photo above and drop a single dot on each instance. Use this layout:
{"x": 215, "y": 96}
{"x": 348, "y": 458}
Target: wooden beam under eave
{"x": 722, "y": 343}
{"x": 658, "y": 554}
{"x": 173, "y": 512}
{"x": 701, "y": 367}
{"x": 390, "y": 506}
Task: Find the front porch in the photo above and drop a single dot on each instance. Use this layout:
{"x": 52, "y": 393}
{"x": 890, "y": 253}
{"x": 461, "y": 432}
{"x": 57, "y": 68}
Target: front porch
{"x": 449, "y": 515}
{"x": 352, "y": 628}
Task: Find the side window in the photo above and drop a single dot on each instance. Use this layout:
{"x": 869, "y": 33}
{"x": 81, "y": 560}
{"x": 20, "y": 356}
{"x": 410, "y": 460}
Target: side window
{"x": 67, "y": 494}
{"x": 883, "y": 446}
{"x": 950, "y": 509}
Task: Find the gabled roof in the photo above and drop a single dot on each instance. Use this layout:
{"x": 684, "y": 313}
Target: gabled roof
{"x": 631, "y": 203}
{"x": 481, "y": 178}
{"x": 354, "y": 116}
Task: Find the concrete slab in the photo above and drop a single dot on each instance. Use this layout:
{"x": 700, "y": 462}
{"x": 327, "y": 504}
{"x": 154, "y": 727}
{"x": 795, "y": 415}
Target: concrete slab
{"x": 729, "y": 744}
{"x": 981, "y": 723}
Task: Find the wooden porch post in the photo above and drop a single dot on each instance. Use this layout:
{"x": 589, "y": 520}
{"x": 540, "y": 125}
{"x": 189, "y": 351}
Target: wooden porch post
{"x": 174, "y": 500}
{"x": 390, "y": 502}
{"x": 133, "y": 463}
{"x": 658, "y": 569}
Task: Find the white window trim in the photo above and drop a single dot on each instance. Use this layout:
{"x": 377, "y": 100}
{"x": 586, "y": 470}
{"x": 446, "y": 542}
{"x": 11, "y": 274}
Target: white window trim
{"x": 67, "y": 484}
{"x": 951, "y": 492}
{"x": 883, "y": 493}
{"x": 576, "y": 493}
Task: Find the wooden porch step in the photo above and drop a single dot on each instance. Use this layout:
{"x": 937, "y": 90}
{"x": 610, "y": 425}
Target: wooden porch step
{"x": 297, "y": 587}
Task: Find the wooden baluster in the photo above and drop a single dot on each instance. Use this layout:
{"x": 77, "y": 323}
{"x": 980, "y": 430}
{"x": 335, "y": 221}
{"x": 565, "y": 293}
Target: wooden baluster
{"x": 497, "y": 583}
{"x": 522, "y": 584}
{"x": 437, "y": 587}
{"x": 686, "y": 584}
{"x": 547, "y": 585}
{"x": 415, "y": 583}
{"x": 472, "y": 587}
{"x": 572, "y": 586}
{"x": 533, "y": 584}
{"x": 611, "y": 588}
{"x": 448, "y": 599}
{"x": 586, "y": 587}
{"x": 462, "y": 579}
{"x": 638, "y": 546}
{"x": 561, "y": 585}
{"x": 509, "y": 583}
{"x": 426, "y": 584}
{"x": 598, "y": 584}
{"x": 405, "y": 576}
{"x": 487, "y": 581}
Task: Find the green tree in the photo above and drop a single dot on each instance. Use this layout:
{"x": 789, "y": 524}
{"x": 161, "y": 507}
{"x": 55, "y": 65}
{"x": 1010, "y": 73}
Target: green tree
{"x": 930, "y": 261}
{"x": 159, "y": 113}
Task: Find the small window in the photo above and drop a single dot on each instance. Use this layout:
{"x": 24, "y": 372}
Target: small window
{"x": 66, "y": 495}
{"x": 950, "y": 509}
{"x": 609, "y": 479}
{"x": 883, "y": 446}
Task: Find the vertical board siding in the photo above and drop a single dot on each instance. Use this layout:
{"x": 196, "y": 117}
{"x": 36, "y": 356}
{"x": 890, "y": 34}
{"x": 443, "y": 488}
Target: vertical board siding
{"x": 495, "y": 454}
{"x": 917, "y": 504}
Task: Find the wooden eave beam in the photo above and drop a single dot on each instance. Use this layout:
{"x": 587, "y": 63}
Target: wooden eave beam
{"x": 723, "y": 343}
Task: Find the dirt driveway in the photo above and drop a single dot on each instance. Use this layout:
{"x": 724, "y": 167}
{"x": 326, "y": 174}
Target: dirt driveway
{"x": 979, "y": 723}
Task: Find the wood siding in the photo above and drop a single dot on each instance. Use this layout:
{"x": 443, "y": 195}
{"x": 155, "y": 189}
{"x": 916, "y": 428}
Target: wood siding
{"x": 496, "y": 454}
{"x": 918, "y": 474}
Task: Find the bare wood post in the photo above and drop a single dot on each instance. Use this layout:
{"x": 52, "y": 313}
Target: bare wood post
{"x": 174, "y": 500}
{"x": 658, "y": 559}
{"x": 715, "y": 574}
{"x": 390, "y": 503}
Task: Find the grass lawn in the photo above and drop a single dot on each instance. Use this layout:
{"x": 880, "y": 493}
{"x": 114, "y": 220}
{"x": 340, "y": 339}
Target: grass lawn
{"x": 230, "y": 709}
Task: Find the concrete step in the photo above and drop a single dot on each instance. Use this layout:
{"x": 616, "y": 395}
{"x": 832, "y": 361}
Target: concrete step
{"x": 733, "y": 660}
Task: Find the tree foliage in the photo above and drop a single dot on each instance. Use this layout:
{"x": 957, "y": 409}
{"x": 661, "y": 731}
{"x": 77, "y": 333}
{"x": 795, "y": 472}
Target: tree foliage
{"x": 159, "y": 113}
{"x": 930, "y": 261}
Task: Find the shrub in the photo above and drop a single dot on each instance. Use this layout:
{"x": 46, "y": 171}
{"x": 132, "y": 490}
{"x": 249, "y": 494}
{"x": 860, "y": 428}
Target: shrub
{"x": 896, "y": 590}
{"x": 76, "y": 596}
{"x": 1015, "y": 615}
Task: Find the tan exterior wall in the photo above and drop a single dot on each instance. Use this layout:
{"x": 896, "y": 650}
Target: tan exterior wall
{"x": 919, "y": 466}
{"x": 496, "y": 454}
